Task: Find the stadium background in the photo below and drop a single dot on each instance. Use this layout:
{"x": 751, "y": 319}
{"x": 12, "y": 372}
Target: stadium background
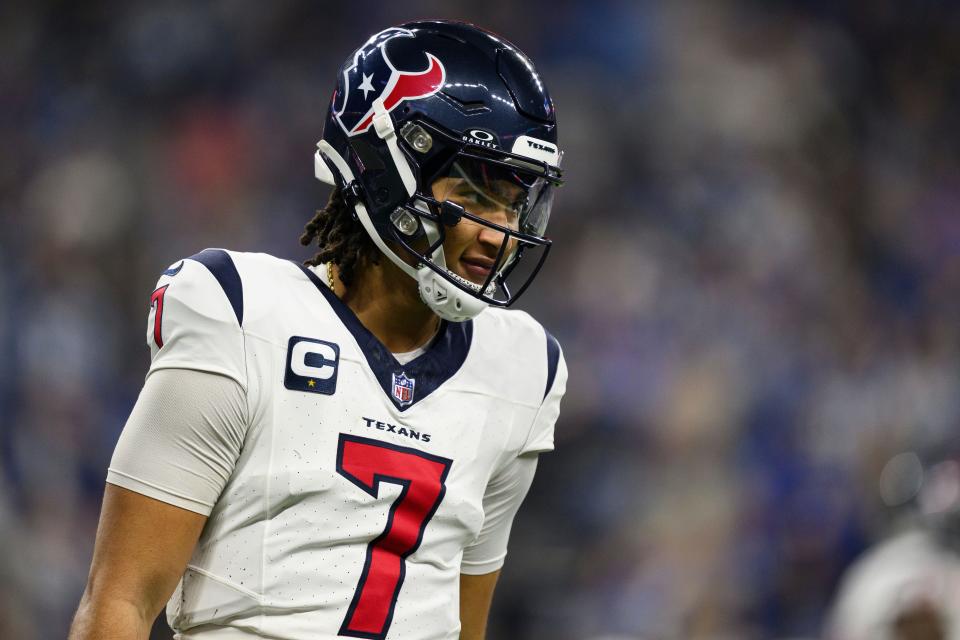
{"x": 755, "y": 277}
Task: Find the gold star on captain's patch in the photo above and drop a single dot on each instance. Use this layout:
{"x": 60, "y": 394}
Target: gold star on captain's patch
{"x": 311, "y": 383}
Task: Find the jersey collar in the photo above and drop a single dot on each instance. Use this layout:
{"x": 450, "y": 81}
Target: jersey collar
{"x": 442, "y": 359}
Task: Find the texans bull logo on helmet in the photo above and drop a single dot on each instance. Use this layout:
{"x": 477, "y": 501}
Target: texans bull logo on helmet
{"x": 373, "y": 76}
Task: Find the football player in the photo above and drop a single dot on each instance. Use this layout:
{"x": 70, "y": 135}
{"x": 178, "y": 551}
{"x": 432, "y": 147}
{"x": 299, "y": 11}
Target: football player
{"x": 907, "y": 587}
{"x": 339, "y": 449}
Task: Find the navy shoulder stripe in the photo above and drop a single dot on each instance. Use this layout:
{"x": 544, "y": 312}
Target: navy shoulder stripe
{"x": 553, "y": 359}
{"x": 220, "y": 264}
{"x": 172, "y": 271}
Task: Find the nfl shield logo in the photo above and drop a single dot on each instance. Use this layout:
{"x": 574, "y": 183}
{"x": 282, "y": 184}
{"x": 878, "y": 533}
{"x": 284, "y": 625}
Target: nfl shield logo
{"x": 403, "y": 388}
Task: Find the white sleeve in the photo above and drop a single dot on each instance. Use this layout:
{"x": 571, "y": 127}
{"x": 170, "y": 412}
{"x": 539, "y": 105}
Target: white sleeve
{"x": 540, "y": 437}
{"x": 196, "y": 317}
{"x": 182, "y": 439}
{"x": 505, "y": 492}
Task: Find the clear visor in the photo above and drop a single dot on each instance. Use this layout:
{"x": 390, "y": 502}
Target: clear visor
{"x": 509, "y": 194}
{"x": 515, "y": 198}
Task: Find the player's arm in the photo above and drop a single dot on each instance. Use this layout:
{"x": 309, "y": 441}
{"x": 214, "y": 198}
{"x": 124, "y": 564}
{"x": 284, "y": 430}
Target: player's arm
{"x": 141, "y": 550}
{"x": 177, "y": 450}
{"x": 173, "y": 459}
{"x": 476, "y": 594}
{"x": 482, "y": 560}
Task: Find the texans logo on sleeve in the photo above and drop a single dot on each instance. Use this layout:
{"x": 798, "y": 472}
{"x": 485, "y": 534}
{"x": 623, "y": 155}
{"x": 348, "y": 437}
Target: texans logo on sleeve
{"x": 172, "y": 271}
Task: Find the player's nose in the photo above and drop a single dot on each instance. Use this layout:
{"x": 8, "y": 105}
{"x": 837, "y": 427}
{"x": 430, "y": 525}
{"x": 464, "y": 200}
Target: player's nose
{"x": 491, "y": 236}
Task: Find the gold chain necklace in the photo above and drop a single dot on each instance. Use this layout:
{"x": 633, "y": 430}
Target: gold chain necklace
{"x": 330, "y": 276}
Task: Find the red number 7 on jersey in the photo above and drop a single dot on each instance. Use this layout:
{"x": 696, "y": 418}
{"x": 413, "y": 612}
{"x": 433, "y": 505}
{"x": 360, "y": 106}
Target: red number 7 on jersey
{"x": 156, "y": 300}
{"x": 366, "y": 463}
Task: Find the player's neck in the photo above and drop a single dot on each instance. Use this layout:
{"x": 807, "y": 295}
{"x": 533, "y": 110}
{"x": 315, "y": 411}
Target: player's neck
{"x": 387, "y": 303}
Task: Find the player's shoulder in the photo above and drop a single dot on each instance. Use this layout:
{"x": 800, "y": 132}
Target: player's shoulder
{"x": 515, "y": 343}
{"x": 251, "y": 268}
{"x": 514, "y": 330}
{"x": 228, "y": 283}
{"x": 197, "y": 313}
{"x": 873, "y": 587}
{"x": 891, "y": 562}
{"x": 226, "y": 265}
{"x": 912, "y": 547}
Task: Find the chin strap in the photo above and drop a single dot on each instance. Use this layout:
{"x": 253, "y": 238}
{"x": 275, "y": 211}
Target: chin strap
{"x": 383, "y": 125}
{"x": 447, "y": 301}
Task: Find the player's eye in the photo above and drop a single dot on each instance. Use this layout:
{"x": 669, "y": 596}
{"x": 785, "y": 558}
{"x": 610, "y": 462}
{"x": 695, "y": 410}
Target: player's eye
{"x": 467, "y": 196}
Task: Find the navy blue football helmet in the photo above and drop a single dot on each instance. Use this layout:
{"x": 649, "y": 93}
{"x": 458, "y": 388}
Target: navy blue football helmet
{"x": 445, "y": 103}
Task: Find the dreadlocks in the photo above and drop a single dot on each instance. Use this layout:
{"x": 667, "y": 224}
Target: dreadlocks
{"x": 341, "y": 238}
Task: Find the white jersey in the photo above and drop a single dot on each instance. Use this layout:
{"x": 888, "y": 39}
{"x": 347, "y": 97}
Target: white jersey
{"x": 897, "y": 575}
{"x": 360, "y": 484}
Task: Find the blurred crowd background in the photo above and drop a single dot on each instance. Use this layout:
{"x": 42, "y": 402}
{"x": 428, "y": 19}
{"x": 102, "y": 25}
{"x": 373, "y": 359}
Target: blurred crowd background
{"x": 755, "y": 277}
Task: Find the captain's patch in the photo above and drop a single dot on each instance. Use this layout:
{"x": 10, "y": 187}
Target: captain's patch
{"x": 312, "y": 365}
